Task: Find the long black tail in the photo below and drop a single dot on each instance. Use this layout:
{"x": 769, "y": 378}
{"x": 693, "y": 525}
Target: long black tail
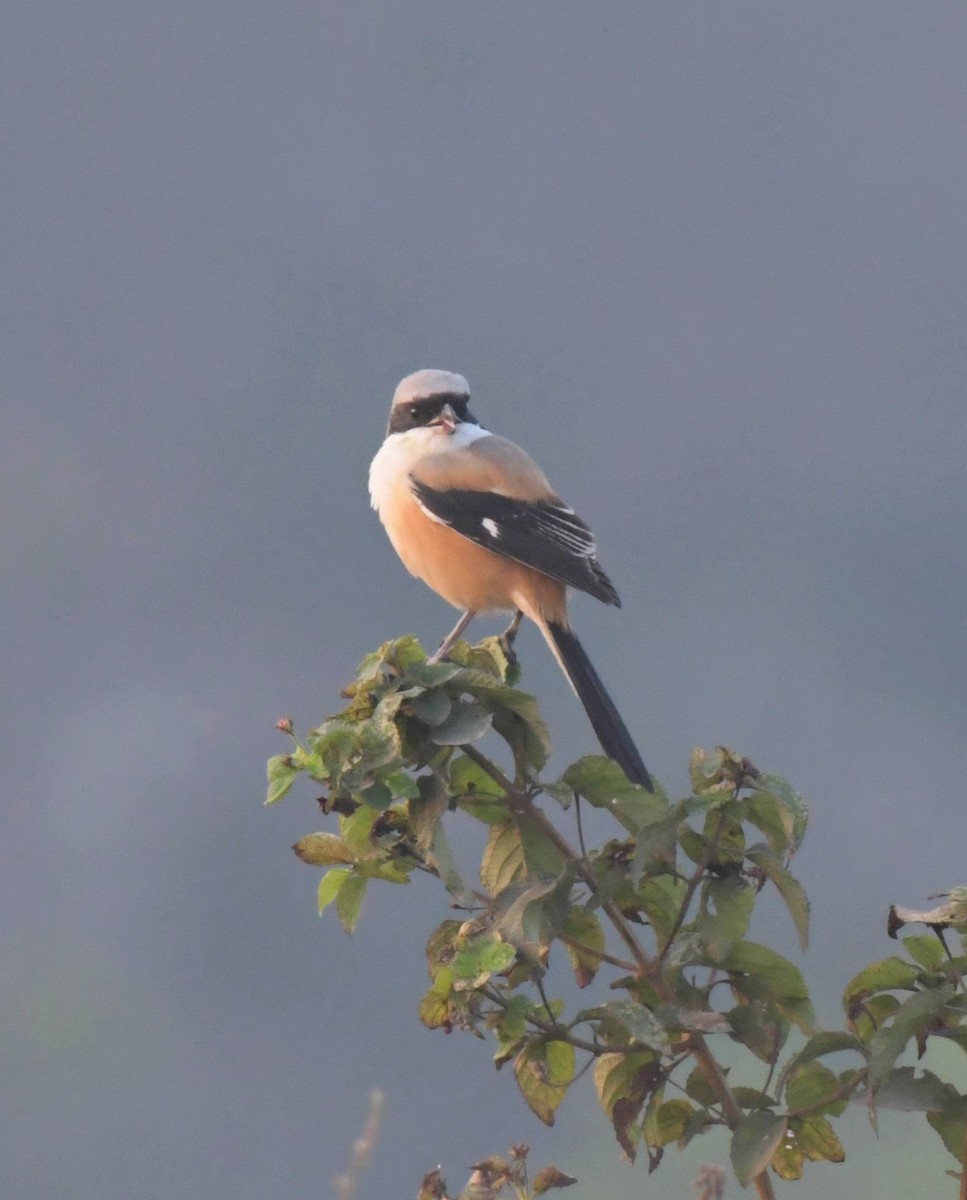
{"x": 605, "y": 719}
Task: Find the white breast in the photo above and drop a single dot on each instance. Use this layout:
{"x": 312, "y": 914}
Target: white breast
{"x": 400, "y": 453}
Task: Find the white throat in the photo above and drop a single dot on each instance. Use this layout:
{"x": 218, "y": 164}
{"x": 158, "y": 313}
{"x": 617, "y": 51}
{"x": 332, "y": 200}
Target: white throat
{"x": 400, "y": 453}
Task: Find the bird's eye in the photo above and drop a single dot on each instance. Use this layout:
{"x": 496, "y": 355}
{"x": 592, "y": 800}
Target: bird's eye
{"x": 414, "y": 412}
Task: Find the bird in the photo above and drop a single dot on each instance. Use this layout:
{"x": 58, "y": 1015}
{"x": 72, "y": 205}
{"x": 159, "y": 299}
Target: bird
{"x": 472, "y": 515}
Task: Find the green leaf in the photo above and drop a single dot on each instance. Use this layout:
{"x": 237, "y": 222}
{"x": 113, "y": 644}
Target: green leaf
{"x": 732, "y": 899}
{"x": 391, "y": 870}
{"x": 769, "y": 815}
{"x": 812, "y": 1086}
{"x": 466, "y": 723}
{"x": 761, "y": 1030}
{"x": 661, "y": 900}
{"x": 356, "y": 830}
{"x": 480, "y": 658}
{"x": 907, "y": 1091}
{"x": 352, "y": 751}
{"x": 323, "y": 849}
{"x": 543, "y": 1071}
{"x": 870, "y": 1015}
{"x": 401, "y": 785}
{"x": 791, "y": 801}
{"x": 951, "y": 1125}
{"x": 516, "y": 716}
{"x": 377, "y": 745}
{"x": 666, "y": 1123}
{"x": 752, "y": 1098}
{"x": 761, "y": 974}
{"x": 687, "y": 949}
{"x": 699, "y": 1088}
{"x": 510, "y": 1026}
{"x": 559, "y": 792}
{"x": 440, "y": 857}
{"x": 656, "y": 844}
{"x": 604, "y": 785}
{"x": 684, "y": 1018}
{"x": 431, "y": 676}
{"x": 480, "y": 958}
{"x": 818, "y": 1046}
{"x": 926, "y": 950}
{"x": 958, "y": 1034}
{"x": 334, "y": 742}
{"x": 626, "y": 1021}
{"x": 329, "y": 886}
{"x": 468, "y": 779}
{"x": 754, "y": 1142}
{"x": 912, "y": 1019}
{"x": 404, "y": 653}
{"x": 281, "y": 772}
{"x": 528, "y": 914}
{"x": 476, "y": 792}
{"x": 699, "y": 1121}
{"x": 432, "y": 707}
{"x": 540, "y": 854}
{"x": 693, "y": 844}
{"x": 376, "y": 796}
{"x": 349, "y": 901}
{"x": 789, "y": 888}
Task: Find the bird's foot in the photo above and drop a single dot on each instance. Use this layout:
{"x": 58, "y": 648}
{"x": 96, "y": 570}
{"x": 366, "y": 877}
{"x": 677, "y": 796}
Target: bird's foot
{"x": 508, "y": 637}
{"x": 450, "y": 640}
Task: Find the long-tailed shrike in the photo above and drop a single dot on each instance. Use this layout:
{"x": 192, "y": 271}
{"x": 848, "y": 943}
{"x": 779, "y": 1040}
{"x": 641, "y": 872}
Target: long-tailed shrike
{"x": 475, "y": 518}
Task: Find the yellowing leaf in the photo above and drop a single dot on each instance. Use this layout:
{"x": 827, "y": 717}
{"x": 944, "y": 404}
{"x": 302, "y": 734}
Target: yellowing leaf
{"x": 323, "y": 849}
{"x": 585, "y": 943}
{"x": 503, "y": 858}
{"x": 543, "y": 1071}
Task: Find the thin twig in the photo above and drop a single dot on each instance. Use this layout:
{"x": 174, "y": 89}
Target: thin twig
{"x": 592, "y": 952}
{"x": 580, "y": 825}
{"x": 692, "y": 886}
{"x": 560, "y": 1033}
{"x": 345, "y": 1185}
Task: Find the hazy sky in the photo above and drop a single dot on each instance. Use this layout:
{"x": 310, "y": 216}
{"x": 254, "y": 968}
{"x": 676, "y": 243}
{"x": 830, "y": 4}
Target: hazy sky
{"x": 707, "y": 262}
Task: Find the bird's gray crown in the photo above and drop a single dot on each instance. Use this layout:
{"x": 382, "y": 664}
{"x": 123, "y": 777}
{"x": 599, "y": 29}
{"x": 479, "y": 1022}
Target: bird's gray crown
{"x": 430, "y": 382}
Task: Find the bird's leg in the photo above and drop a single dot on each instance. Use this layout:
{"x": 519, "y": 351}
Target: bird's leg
{"x": 448, "y": 642}
{"x": 510, "y": 633}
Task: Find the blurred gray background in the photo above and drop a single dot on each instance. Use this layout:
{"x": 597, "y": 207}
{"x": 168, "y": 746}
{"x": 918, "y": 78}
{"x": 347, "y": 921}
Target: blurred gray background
{"x": 708, "y": 262}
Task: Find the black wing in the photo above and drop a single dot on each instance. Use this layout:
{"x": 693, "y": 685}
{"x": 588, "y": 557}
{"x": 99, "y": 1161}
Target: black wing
{"x": 546, "y": 536}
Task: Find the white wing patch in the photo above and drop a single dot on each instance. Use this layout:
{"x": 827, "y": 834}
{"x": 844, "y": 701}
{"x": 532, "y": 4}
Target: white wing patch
{"x": 568, "y": 530}
{"x": 546, "y": 536}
